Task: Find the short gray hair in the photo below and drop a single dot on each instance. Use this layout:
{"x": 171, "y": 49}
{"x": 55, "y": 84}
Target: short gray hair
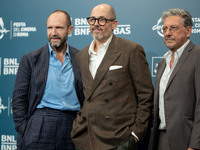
{"x": 187, "y": 18}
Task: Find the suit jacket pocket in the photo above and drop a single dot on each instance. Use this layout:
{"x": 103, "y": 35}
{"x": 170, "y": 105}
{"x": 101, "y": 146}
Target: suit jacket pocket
{"x": 183, "y": 73}
{"x": 118, "y": 74}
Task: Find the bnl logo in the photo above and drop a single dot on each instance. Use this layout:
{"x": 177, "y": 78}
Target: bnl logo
{"x": 155, "y": 61}
{"x": 2, "y": 29}
{"x": 2, "y": 107}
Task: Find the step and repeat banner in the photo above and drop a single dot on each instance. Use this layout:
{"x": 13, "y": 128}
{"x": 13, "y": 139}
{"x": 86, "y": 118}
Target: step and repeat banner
{"x": 23, "y": 29}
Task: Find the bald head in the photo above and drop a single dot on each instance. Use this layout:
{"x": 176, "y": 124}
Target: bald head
{"x": 62, "y": 12}
{"x": 104, "y": 10}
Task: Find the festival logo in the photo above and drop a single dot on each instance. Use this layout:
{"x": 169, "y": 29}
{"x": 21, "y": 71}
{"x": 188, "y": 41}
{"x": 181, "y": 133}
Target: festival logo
{"x": 3, "y": 30}
{"x": 158, "y": 28}
{"x": 0, "y": 66}
{"x": 6, "y": 108}
{"x": 196, "y": 25}
{"x": 17, "y": 29}
{"x": 2, "y": 107}
{"x": 155, "y": 61}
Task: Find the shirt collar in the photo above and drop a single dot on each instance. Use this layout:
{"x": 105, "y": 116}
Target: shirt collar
{"x": 105, "y": 45}
{"x": 178, "y": 53}
{"x": 51, "y": 51}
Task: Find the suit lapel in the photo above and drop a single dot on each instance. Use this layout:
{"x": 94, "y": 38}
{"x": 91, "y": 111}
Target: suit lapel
{"x": 161, "y": 69}
{"x": 41, "y": 65}
{"x": 111, "y": 55}
{"x": 86, "y": 75}
{"x": 180, "y": 62}
{"x": 87, "y": 72}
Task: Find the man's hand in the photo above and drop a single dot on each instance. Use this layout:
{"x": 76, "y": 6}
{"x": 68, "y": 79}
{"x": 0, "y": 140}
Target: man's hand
{"x": 137, "y": 140}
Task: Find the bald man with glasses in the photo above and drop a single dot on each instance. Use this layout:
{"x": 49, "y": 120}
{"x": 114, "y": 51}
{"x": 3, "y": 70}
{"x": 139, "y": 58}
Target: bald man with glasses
{"x": 117, "y": 87}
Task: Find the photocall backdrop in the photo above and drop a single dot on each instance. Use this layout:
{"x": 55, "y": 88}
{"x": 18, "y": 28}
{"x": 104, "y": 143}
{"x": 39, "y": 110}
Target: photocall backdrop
{"x": 23, "y": 29}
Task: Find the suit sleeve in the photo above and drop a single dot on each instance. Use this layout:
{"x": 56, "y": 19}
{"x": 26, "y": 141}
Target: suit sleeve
{"x": 142, "y": 82}
{"x": 195, "y": 134}
{"x": 20, "y": 95}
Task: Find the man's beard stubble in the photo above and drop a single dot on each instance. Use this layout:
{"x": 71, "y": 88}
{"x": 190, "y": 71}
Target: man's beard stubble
{"x": 59, "y": 45}
{"x": 101, "y": 37}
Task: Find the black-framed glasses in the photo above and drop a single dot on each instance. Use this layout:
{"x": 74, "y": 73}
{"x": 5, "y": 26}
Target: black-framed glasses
{"x": 101, "y": 21}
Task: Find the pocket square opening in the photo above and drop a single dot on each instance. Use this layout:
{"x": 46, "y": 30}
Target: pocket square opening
{"x": 115, "y": 67}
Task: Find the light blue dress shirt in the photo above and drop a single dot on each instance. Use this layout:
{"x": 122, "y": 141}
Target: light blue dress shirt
{"x": 60, "y": 91}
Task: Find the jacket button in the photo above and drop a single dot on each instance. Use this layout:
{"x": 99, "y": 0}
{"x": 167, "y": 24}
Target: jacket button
{"x": 107, "y": 117}
{"x": 89, "y": 100}
{"x": 84, "y": 118}
{"x": 110, "y": 83}
{"x": 106, "y": 100}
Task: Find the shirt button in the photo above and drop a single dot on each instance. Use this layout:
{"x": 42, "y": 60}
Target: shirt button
{"x": 110, "y": 83}
{"x": 106, "y": 100}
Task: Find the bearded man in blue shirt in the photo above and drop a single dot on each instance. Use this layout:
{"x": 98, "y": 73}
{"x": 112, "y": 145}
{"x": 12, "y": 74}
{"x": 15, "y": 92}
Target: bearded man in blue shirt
{"x": 48, "y": 90}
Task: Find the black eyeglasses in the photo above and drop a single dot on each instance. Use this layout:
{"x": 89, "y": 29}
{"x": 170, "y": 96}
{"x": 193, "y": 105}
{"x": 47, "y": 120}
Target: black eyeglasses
{"x": 101, "y": 21}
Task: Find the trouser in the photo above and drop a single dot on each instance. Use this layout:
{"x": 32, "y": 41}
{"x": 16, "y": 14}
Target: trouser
{"x": 128, "y": 145}
{"x": 163, "y": 142}
{"x": 49, "y": 129}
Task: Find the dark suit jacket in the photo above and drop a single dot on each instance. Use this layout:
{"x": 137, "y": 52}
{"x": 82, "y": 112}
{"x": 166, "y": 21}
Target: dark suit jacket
{"x": 117, "y": 102}
{"x": 30, "y": 84}
{"x": 181, "y": 101}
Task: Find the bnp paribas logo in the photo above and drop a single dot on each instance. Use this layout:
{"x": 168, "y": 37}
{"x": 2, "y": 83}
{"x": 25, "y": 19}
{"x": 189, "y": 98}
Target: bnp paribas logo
{"x": 3, "y": 30}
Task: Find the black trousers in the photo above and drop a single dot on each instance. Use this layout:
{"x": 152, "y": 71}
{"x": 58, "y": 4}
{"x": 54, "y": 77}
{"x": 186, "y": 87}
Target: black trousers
{"x": 48, "y": 129}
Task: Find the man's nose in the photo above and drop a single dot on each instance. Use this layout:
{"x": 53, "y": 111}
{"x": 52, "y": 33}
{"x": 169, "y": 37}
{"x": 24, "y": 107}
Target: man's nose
{"x": 54, "y": 31}
{"x": 96, "y": 23}
{"x": 168, "y": 32}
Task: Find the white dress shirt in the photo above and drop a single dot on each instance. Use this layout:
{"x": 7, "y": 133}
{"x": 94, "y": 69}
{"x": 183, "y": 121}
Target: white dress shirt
{"x": 164, "y": 80}
{"x": 97, "y": 57}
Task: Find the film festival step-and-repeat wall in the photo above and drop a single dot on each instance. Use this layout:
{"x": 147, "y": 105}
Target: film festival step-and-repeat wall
{"x": 23, "y": 29}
